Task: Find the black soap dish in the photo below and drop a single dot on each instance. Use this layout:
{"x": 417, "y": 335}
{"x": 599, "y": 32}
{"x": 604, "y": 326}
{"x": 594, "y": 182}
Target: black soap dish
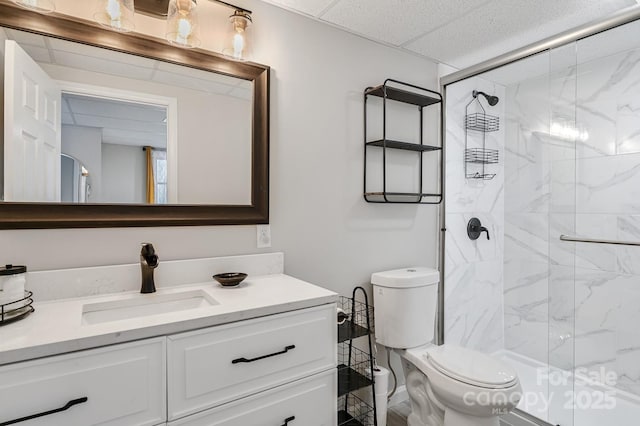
{"x": 230, "y": 279}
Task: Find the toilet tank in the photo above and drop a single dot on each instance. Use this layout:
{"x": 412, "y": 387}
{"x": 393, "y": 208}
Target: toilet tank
{"x": 405, "y": 303}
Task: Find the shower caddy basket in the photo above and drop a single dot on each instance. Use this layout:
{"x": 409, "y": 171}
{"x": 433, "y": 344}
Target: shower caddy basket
{"x": 481, "y": 123}
{"x": 355, "y": 366}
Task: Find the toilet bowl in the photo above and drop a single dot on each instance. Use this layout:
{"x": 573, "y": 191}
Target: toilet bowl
{"x": 448, "y": 385}
{"x": 454, "y": 386}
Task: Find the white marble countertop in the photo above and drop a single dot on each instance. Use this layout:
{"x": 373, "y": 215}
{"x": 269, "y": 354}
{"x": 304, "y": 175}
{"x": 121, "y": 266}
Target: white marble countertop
{"x": 56, "y": 326}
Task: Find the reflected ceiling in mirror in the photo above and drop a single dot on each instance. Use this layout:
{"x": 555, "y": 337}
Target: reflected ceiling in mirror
{"x": 216, "y": 134}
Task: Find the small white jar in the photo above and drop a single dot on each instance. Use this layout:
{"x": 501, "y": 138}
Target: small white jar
{"x": 13, "y": 280}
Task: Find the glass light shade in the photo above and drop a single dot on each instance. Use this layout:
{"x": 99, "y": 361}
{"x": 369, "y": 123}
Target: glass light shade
{"x": 183, "y": 28}
{"x": 116, "y": 15}
{"x": 42, "y": 6}
{"x": 238, "y": 38}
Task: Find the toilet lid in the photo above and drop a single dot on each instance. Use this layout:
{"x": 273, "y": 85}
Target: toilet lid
{"x": 472, "y": 367}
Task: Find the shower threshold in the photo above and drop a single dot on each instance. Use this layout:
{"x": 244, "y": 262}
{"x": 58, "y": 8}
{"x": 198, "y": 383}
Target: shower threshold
{"x": 534, "y": 405}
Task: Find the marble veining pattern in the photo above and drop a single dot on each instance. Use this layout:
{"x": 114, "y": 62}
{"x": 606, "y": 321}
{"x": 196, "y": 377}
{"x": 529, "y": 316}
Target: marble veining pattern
{"x": 474, "y": 315}
{"x": 573, "y": 304}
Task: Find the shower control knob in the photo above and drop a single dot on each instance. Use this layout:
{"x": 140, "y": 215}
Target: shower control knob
{"x": 475, "y": 228}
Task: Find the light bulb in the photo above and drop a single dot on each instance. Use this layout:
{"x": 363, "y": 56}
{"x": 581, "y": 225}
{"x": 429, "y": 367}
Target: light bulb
{"x": 113, "y": 10}
{"x": 182, "y": 23}
{"x": 237, "y": 42}
{"x": 238, "y": 45}
{"x": 115, "y": 14}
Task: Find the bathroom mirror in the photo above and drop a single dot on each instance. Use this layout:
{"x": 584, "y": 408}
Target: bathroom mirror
{"x": 134, "y": 131}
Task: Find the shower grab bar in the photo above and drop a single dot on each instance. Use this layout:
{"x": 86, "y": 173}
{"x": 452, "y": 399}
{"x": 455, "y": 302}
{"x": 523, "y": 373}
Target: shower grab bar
{"x": 597, "y": 241}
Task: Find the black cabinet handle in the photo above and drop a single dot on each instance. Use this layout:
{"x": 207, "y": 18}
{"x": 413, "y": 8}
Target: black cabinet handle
{"x": 238, "y": 360}
{"x": 287, "y": 420}
{"x": 47, "y": 413}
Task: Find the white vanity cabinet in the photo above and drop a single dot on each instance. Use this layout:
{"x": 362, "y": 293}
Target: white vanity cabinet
{"x": 277, "y": 369}
{"x": 123, "y": 385}
{"x": 306, "y": 402}
{"x": 210, "y": 367}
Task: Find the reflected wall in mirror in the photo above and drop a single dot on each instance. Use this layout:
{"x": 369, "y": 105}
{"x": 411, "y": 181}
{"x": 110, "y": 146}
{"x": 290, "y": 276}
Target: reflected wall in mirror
{"x": 146, "y": 131}
{"x": 210, "y": 163}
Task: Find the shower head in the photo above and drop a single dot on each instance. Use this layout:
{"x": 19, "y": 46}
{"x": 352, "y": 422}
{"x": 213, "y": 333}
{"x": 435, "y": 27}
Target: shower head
{"x": 491, "y": 100}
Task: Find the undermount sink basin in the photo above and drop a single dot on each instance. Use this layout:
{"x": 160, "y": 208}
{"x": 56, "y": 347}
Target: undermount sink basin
{"x": 142, "y": 305}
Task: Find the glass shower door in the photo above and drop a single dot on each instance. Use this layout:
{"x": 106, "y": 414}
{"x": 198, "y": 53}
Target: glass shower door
{"x": 607, "y": 276}
{"x": 564, "y": 135}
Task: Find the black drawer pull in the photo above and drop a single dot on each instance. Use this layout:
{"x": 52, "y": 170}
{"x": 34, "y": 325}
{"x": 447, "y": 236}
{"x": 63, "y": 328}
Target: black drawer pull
{"x": 287, "y": 420}
{"x": 238, "y": 360}
{"x": 47, "y": 413}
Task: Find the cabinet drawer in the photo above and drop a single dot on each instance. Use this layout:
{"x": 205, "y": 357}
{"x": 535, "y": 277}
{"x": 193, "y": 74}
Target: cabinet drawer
{"x": 217, "y": 365}
{"x": 307, "y": 402}
{"x": 123, "y": 384}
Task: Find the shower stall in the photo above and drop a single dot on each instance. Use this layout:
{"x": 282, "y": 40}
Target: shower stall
{"x": 555, "y": 291}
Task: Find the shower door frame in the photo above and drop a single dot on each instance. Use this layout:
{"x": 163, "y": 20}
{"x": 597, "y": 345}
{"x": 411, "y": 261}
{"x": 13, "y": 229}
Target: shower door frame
{"x": 623, "y": 17}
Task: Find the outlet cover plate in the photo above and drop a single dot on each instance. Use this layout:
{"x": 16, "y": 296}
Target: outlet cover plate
{"x": 264, "y": 236}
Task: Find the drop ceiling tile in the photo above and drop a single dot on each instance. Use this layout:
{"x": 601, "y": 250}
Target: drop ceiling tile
{"x": 121, "y": 137}
{"x": 104, "y": 66}
{"x": 505, "y": 25}
{"x": 397, "y": 21}
{"x": 121, "y": 124}
{"x": 97, "y": 52}
{"x": 115, "y": 109}
{"x": 309, "y": 7}
{"x": 25, "y": 38}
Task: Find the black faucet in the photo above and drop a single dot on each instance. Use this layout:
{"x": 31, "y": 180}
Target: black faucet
{"x": 475, "y": 228}
{"x": 148, "y": 262}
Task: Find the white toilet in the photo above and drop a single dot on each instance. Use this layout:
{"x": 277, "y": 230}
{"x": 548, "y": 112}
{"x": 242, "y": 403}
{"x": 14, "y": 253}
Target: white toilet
{"x": 447, "y": 385}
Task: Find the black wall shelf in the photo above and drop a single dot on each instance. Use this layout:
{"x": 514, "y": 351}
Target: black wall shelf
{"x": 393, "y": 90}
{"x": 404, "y": 96}
{"x": 403, "y": 145}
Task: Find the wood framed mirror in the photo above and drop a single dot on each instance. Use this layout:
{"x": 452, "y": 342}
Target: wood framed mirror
{"x": 178, "y": 210}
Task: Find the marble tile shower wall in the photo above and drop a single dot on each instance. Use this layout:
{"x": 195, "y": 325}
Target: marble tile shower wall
{"x": 575, "y": 304}
{"x": 473, "y": 269}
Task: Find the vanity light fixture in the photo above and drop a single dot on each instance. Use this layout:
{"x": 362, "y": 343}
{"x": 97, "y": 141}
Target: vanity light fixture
{"x": 116, "y": 15}
{"x": 183, "y": 28}
{"x": 182, "y": 23}
{"x": 42, "y": 6}
{"x": 238, "y": 35}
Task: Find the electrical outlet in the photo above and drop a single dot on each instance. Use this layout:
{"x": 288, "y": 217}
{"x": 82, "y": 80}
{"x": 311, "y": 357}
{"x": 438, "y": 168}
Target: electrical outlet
{"x": 264, "y": 236}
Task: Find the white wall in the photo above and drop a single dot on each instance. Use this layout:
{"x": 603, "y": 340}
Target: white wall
{"x": 330, "y": 236}
{"x": 124, "y": 174}
{"x": 84, "y": 144}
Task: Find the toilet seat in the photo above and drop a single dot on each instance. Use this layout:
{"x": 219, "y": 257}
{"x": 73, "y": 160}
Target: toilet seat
{"x": 467, "y": 366}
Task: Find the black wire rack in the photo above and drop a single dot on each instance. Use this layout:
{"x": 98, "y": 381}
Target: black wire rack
{"x": 16, "y": 310}
{"x": 356, "y": 411}
{"x": 355, "y": 365}
{"x": 483, "y": 123}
